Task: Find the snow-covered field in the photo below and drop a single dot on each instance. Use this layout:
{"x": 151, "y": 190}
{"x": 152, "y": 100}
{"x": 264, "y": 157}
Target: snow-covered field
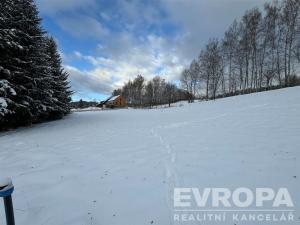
{"x": 120, "y": 167}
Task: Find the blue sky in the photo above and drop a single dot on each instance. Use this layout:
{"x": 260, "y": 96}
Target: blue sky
{"x": 104, "y": 43}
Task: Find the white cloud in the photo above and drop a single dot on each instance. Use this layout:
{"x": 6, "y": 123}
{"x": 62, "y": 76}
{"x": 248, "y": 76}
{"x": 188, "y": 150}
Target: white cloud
{"x": 154, "y": 56}
{"x": 83, "y": 82}
{"x": 204, "y": 19}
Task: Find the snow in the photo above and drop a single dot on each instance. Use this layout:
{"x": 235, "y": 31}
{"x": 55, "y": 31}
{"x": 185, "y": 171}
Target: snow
{"x": 119, "y": 167}
{"x": 44, "y": 108}
{"x": 87, "y": 109}
{"x": 20, "y": 47}
{"x": 12, "y": 91}
{"x": 5, "y": 182}
{"x": 3, "y": 107}
{"x": 4, "y": 84}
{"x": 3, "y": 102}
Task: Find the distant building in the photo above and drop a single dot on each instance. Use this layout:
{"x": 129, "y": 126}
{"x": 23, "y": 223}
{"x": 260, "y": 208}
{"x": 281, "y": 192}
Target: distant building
{"x": 117, "y": 101}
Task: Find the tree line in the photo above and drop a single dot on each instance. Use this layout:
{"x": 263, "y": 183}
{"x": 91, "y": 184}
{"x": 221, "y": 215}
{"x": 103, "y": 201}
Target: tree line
{"x": 33, "y": 84}
{"x": 142, "y": 93}
{"x": 261, "y": 51}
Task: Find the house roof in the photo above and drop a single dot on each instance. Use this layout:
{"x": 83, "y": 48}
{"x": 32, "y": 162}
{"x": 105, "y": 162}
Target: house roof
{"x": 111, "y": 99}
{"x": 114, "y": 98}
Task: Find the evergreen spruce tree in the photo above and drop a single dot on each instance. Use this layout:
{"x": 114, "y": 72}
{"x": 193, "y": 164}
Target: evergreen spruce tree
{"x": 39, "y": 90}
{"x": 60, "y": 90}
{"x": 33, "y": 85}
{"x": 14, "y": 99}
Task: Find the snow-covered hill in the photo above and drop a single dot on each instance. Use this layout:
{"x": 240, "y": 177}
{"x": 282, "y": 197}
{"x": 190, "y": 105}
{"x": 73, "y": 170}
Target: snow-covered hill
{"x": 120, "y": 167}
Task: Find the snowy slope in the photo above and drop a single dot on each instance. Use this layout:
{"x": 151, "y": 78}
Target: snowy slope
{"x": 120, "y": 167}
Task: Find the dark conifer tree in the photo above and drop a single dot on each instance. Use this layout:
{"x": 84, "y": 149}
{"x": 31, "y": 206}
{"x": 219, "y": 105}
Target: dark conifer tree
{"x": 39, "y": 90}
{"x": 33, "y": 85}
{"x": 60, "y": 90}
{"x": 14, "y": 108}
